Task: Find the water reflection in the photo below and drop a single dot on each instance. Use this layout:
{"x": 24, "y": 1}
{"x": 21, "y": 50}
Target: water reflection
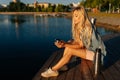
{"x": 103, "y": 31}
{"x": 17, "y": 20}
{"x": 4, "y": 19}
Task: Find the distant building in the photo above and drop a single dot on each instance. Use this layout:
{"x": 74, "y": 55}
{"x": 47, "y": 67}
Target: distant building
{"x": 16, "y": 1}
{"x": 41, "y": 4}
{"x": 35, "y": 4}
{"x": 3, "y": 5}
{"x": 31, "y": 5}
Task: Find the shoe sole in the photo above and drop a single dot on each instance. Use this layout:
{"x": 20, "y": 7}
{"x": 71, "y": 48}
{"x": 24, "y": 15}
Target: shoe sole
{"x": 49, "y": 76}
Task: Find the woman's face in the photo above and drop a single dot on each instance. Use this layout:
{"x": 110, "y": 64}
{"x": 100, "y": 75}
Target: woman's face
{"x": 77, "y": 16}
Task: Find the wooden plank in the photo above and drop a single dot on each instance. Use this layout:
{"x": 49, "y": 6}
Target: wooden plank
{"x": 114, "y": 73}
{"x": 77, "y": 73}
{"x": 107, "y": 75}
{"x": 70, "y": 74}
{"x": 60, "y": 76}
{"x": 46, "y": 65}
{"x": 111, "y": 73}
{"x": 117, "y": 66}
{"x": 72, "y": 65}
{"x": 55, "y": 60}
{"x": 100, "y": 77}
{"x": 91, "y": 67}
{"x": 86, "y": 74}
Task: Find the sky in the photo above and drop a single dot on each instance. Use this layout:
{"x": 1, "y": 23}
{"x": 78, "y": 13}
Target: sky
{"x": 50, "y": 1}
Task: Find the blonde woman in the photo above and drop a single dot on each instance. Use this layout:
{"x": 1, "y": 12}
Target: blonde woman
{"x": 79, "y": 46}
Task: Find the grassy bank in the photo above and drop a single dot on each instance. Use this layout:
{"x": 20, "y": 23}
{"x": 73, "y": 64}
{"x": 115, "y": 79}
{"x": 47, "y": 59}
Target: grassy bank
{"x": 103, "y": 15}
{"x": 109, "y": 21}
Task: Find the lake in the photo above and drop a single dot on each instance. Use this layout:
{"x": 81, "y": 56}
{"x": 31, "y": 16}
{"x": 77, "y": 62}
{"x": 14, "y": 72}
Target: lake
{"x": 26, "y": 42}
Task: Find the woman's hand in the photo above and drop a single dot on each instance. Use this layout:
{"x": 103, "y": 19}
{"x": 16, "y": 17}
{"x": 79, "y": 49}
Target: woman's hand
{"x": 60, "y": 44}
{"x": 70, "y": 41}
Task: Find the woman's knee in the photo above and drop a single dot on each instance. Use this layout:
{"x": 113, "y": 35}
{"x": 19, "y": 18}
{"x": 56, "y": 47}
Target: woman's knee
{"x": 76, "y": 52}
{"x": 67, "y": 48}
{"x": 68, "y": 51}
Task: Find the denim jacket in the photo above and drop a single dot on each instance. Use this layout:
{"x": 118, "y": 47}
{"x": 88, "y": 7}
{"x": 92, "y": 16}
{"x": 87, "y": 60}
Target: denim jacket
{"x": 95, "y": 42}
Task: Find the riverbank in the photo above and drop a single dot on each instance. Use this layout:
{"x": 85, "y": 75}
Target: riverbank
{"x": 109, "y": 21}
{"x": 32, "y": 13}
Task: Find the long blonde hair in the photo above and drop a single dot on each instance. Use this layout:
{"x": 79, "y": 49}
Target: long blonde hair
{"x": 84, "y": 28}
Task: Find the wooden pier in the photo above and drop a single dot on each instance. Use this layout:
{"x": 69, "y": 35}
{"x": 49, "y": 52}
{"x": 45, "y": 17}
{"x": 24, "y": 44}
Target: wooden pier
{"x": 80, "y": 69}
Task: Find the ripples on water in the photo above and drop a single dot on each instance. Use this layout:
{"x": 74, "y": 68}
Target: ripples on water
{"x": 27, "y": 41}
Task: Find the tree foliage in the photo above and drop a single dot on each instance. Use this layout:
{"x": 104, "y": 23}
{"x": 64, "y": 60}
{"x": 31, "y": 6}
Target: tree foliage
{"x": 101, "y": 4}
{"x": 21, "y": 7}
{"x": 18, "y": 6}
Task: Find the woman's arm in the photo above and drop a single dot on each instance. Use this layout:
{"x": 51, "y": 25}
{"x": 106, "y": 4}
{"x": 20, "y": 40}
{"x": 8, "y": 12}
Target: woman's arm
{"x": 70, "y": 44}
{"x": 74, "y": 44}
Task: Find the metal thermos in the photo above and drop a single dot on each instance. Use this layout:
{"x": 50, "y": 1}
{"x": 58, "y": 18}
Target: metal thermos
{"x": 97, "y": 63}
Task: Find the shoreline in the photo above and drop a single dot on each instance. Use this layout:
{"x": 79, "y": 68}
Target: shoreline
{"x": 32, "y": 13}
{"x": 108, "y": 26}
{"x": 109, "y": 21}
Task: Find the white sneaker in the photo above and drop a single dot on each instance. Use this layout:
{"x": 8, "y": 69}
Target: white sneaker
{"x": 49, "y": 73}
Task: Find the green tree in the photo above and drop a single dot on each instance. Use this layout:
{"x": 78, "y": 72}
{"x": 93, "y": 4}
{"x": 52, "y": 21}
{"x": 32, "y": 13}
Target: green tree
{"x": 19, "y": 6}
{"x": 101, "y": 4}
{"x": 82, "y": 2}
{"x": 50, "y": 8}
{"x": 59, "y": 8}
